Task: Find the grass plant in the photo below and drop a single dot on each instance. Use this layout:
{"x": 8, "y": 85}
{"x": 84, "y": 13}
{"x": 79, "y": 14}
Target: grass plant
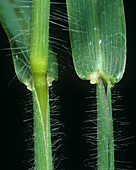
{"x": 28, "y": 33}
{"x": 98, "y": 41}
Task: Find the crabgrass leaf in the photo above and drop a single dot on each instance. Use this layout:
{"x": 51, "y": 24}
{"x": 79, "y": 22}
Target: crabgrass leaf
{"x": 98, "y": 41}
{"x": 98, "y": 38}
{"x": 15, "y": 18}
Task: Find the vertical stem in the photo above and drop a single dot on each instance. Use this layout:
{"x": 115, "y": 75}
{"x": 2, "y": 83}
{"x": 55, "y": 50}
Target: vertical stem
{"x": 111, "y": 141}
{"x": 42, "y": 134}
{"x": 105, "y": 141}
{"x": 39, "y": 43}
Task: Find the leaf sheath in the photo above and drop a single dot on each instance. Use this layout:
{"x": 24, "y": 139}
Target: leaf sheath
{"x": 105, "y": 140}
{"x": 42, "y": 134}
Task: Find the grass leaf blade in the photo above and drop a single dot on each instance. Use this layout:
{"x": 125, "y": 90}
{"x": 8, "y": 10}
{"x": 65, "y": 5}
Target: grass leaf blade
{"x": 15, "y": 18}
{"x": 98, "y": 38}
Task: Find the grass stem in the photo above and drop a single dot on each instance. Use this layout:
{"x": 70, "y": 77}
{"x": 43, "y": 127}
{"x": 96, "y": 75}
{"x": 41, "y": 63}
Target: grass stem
{"x": 105, "y": 140}
{"x": 39, "y": 43}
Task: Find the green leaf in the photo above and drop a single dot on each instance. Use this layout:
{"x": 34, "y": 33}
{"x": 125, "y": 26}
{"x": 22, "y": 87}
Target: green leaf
{"x": 15, "y": 17}
{"x": 33, "y": 38}
{"x": 98, "y": 38}
{"x": 98, "y": 41}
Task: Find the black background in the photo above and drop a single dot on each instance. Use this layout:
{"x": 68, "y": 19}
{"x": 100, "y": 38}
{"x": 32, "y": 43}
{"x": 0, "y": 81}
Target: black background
{"x": 16, "y": 107}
